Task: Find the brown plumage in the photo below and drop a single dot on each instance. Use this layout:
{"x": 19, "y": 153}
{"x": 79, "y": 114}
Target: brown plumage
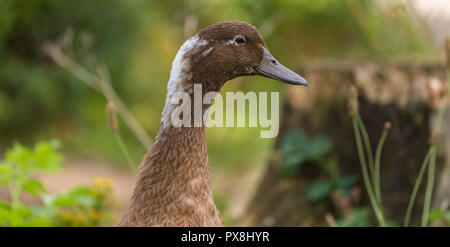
{"x": 173, "y": 186}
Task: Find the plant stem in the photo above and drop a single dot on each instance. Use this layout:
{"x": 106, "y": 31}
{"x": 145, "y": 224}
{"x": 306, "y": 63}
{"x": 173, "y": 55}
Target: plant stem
{"x": 377, "y": 182}
{"x": 101, "y": 86}
{"x": 429, "y": 189}
{"x": 416, "y": 187}
{"x": 15, "y": 190}
{"x": 375, "y": 206}
{"x": 124, "y": 151}
{"x": 372, "y": 178}
{"x": 368, "y": 148}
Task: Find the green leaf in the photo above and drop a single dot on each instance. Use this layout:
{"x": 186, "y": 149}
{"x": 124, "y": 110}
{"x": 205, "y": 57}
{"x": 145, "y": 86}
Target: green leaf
{"x": 21, "y": 157}
{"x": 47, "y": 158}
{"x": 6, "y": 173}
{"x": 83, "y": 196}
{"x": 440, "y": 215}
{"x": 63, "y": 200}
{"x": 345, "y": 184}
{"x": 319, "y": 190}
{"x": 15, "y": 217}
{"x": 318, "y": 146}
{"x": 293, "y": 140}
{"x": 9, "y": 217}
{"x": 297, "y": 149}
{"x": 34, "y": 187}
{"x": 292, "y": 163}
{"x": 78, "y": 196}
{"x": 359, "y": 217}
{"x": 44, "y": 157}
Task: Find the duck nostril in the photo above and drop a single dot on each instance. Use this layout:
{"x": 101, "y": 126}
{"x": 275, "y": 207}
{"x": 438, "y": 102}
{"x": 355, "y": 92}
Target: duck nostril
{"x": 273, "y": 61}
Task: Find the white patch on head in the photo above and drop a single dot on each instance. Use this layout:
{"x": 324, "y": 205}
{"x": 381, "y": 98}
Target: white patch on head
{"x": 230, "y": 42}
{"x": 179, "y": 73}
{"x": 233, "y": 41}
{"x": 206, "y": 52}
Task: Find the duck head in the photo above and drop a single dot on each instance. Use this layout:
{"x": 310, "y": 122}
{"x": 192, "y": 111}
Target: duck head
{"x": 219, "y": 53}
{"x": 226, "y": 50}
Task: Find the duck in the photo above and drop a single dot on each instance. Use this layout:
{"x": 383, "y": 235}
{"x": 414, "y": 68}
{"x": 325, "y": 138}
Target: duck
{"x": 173, "y": 180}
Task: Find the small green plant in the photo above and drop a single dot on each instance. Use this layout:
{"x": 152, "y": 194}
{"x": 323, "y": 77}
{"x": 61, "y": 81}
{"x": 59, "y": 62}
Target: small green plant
{"x": 296, "y": 149}
{"x": 440, "y": 216}
{"x": 371, "y": 176}
{"x": 430, "y": 159}
{"x": 81, "y": 206}
{"x": 15, "y": 173}
{"x": 359, "y": 217}
{"x": 322, "y": 189}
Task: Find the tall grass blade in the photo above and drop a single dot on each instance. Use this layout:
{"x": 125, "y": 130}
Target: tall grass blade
{"x": 368, "y": 148}
{"x": 377, "y": 178}
{"x": 416, "y": 188}
{"x": 375, "y": 206}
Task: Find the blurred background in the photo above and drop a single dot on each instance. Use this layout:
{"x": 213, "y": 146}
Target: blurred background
{"x": 136, "y": 40}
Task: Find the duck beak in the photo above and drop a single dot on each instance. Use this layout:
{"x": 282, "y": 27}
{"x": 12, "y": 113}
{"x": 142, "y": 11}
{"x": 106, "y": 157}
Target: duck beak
{"x": 271, "y": 68}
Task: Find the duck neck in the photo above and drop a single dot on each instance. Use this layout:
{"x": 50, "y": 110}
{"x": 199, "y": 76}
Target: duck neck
{"x": 180, "y": 147}
{"x": 177, "y": 165}
{"x": 181, "y": 153}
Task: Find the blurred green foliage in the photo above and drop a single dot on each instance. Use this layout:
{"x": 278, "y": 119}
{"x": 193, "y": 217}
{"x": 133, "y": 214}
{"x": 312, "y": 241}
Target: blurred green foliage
{"x": 322, "y": 189}
{"x": 359, "y": 217}
{"x": 296, "y": 149}
{"x": 440, "y": 217}
{"x": 138, "y": 40}
{"x": 81, "y": 206}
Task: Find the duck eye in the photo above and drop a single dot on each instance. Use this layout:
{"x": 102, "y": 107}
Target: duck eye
{"x": 239, "y": 40}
